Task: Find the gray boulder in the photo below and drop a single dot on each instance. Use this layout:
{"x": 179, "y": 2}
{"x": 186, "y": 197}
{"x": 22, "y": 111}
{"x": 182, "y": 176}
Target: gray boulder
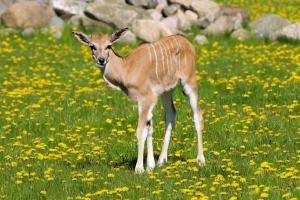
{"x": 117, "y": 14}
{"x": 129, "y": 37}
{"x": 155, "y": 14}
{"x": 170, "y": 10}
{"x": 291, "y": 31}
{"x": 201, "y": 39}
{"x": 150, "y": 30}
{"x": 171, "y": 23}
{"x": 27, "y": 14}
{"x": 268, "y": 25}
{"x": 234, "y": 11}
{"x": 143, "y": 3}
{"x": 56, "y": 22}
{"x": 191, "y": 16}
{"x": 223, "y": 25}
{"x": 184, "y": 22}
{"x": 241, "y": 34}
{"x": 27, "y": 32}
{"x": 69, "y": 7}
{"x": 204, "y": 8}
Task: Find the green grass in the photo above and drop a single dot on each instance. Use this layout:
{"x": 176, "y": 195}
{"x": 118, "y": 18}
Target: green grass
{"x": 64, "y": 134}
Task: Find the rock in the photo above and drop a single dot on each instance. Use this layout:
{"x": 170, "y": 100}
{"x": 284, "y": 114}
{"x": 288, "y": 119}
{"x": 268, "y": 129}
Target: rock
{"x": 150, "y": 30}
{"x": 204, "y": 8}
{"x": 8, "y": 31}
{"x": 184, "y": 23}
{"x": 291, "y": 32}
{"x": 27, "y": 14}
{"x": 129, "y": 37}
{"x": 4, "y": 4}
{"x": 27, "y": 32}
{"x": 91, "y": 23}
{"x": 241, "y": 34}
{"x": 267, "y": 25}
{"x": 222, "y": 25}
{"x": 66, "y": 8}
{"x": 234, "y": 11}
{"x": 56, "y": 22}
{"x": 170, "y": 10}
{"x": 191, "y": 16}
{"x": 201, "y": 39}
{"x": 172, "y": 23}
{"x": 113, "y": 13}
{"x": 203, "y": 22}
{"x": 155, "y": 14}
{"x": 143, "y": 3}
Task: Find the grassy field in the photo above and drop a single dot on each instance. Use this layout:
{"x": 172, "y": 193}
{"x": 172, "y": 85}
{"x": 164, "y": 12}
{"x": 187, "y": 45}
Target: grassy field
{"x": 65, "y": 135}
{"x": 256, "y": 8}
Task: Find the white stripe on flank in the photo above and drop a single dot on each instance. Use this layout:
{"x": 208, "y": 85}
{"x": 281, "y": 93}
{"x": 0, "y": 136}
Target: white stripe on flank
{"x": 162, "y": 59}
{"x": 155, "y": 60}
{"x": 166, "y": 53}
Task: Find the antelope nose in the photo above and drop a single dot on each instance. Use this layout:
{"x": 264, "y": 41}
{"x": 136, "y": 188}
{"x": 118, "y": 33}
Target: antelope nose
{"x": 101, "y": 60}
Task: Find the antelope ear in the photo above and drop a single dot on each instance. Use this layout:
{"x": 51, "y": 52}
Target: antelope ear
{"x": 116, "y": 36}
{"x": 84, "y": 39}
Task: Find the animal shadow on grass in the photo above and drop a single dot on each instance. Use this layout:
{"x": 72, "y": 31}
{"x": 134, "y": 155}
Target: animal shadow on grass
{"x": 129, "y": 163}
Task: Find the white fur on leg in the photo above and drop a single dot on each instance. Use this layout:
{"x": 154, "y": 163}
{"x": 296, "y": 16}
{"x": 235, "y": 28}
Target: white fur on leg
{"x": 139, "y": 167}
{"x": 150, "y": 156}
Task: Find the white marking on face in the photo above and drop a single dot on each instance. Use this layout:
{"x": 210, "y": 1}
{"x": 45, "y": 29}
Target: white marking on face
{"x": 155, "y": 55}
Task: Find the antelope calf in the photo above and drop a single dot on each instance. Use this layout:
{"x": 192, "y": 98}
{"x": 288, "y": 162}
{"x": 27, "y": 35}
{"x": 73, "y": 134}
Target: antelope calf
{"x": 149, "y": 71}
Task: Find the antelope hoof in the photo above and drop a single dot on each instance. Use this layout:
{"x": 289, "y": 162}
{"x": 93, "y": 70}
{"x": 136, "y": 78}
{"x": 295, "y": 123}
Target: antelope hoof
{"x": 201, "y": 160}
{"x": 139, "y": 169}
{"x": 150, "y": 165}
{"x": 162, "y": 160}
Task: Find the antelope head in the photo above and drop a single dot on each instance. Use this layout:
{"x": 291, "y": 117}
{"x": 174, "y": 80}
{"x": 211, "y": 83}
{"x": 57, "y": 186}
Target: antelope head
{"x": 100, "y": 45}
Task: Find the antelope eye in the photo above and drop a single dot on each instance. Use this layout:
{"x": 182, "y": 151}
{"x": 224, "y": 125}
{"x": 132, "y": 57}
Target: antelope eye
{"x": 108, "y": 47}
{"x": 93, "y": 48}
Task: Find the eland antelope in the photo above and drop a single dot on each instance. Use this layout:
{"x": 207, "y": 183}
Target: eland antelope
{"x": 149, "y": 71}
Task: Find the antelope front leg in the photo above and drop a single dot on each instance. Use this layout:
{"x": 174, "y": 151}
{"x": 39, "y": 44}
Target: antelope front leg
{"x": 150, "y": 156}
{"x": 143, "y": 130}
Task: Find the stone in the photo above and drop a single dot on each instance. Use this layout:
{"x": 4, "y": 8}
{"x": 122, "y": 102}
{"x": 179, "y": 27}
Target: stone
{"x": 8, "y": 31}
{"x": 113, "y": 13}
{"x": 56, "y": 22}
{"x": 91, "y": 23}
{"x": 66, "y": 8}
{"x": 221, "y": 26}
{"x": 155, "y": 14}
{"x": 27, "y": 14}
{"x": 268, "y": 25}
{"x": 201, "y": 39}
{"x": 55, "y": 32}
{"x": 204, "y": 8}
{"x": 27, "y": 32}
{"x": 129, "y": 37}
{"x": 191, "y": 16}
{"x": 203, "y": 22}
{"x": 75, "y": 21}
{"x": 150, "y": 30}
{"x": 291, "y": 32}
{"x": 143, "y": 3}
{"x": 171, "y": 23}
{"x": 184, "y": 23}
{"x": 234, "y": 11}
{"x": 170, "y": 10}
{"x": 4, "y": 4}
{"x": 241, "y": 34}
